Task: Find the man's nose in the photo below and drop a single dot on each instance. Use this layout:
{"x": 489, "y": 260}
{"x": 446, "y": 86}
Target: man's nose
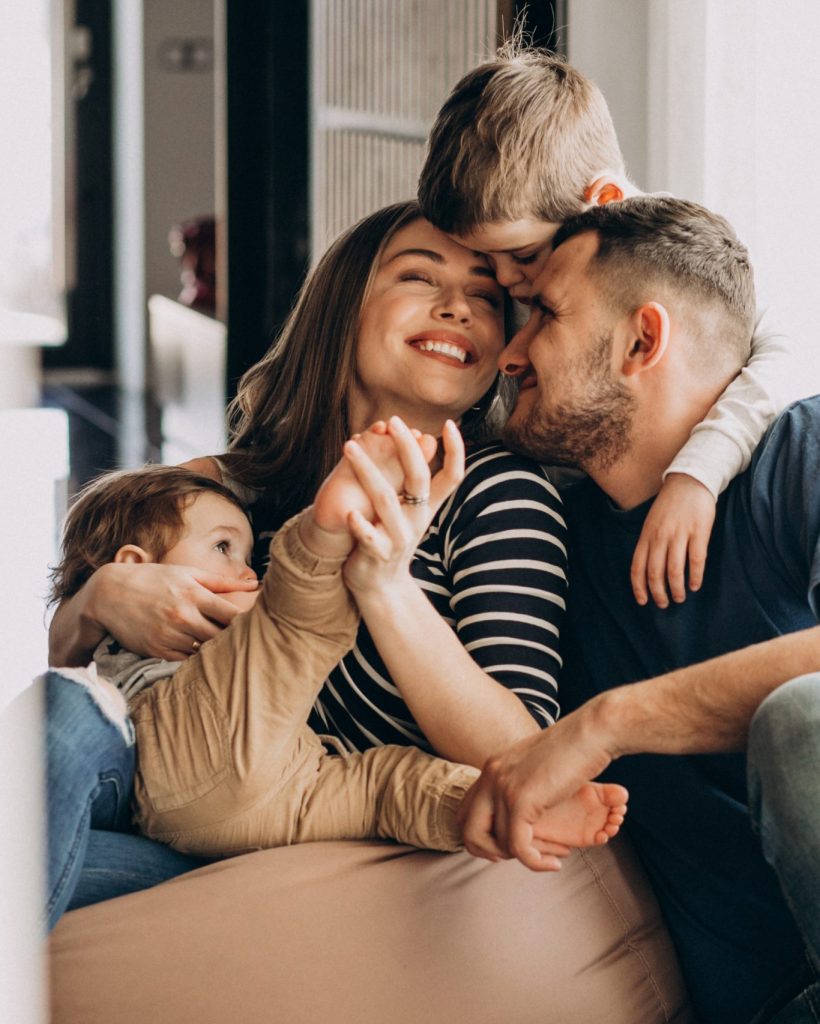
{"x": 514, "y": 360}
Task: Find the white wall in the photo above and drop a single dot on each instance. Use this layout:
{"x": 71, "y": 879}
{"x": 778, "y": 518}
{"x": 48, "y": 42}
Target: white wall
{"x": 729, "y": 117}
{"x": 607, "y": 39}
{"x": 34, "y": 464}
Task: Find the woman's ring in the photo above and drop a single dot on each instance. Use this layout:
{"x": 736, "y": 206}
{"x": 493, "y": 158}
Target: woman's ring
{"x": 195, "y": 646}
{"x": 414, "y": 499}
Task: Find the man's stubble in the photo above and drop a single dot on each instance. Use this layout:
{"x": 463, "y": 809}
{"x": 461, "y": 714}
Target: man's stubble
{"x": 593, "y": 427}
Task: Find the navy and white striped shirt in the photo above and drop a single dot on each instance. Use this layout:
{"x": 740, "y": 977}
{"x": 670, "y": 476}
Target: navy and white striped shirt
{"x": 493, "y": 564}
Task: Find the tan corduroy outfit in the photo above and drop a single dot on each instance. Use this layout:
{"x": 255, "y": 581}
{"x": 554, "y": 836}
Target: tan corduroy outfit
{"x": 225, "y": 760}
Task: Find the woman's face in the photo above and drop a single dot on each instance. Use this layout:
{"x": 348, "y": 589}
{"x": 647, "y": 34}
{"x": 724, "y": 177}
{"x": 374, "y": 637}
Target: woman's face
{"x": 431, "y": 331}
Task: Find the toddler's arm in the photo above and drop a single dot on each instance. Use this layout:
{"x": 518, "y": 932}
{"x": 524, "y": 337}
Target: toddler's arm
{"x": 679, "y": 524}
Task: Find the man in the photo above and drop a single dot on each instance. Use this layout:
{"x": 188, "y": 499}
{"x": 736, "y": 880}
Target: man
{"x": 643, "y": 313}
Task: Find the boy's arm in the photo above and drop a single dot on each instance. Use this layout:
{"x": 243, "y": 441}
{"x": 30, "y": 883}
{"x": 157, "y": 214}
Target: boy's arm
{"x": 721, "y": 446}
{"x": 677, "y": 529}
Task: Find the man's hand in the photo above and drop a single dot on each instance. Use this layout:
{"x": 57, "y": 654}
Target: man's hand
{"x": 503, "y": 814}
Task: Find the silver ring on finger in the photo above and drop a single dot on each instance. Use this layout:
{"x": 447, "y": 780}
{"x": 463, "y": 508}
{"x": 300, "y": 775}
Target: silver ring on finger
{"x": 414, "y": 499}
{"x": 195, "y": 646}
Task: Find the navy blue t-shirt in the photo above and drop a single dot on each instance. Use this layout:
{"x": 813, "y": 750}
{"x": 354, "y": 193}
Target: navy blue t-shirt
{"x": 688, "y": 815}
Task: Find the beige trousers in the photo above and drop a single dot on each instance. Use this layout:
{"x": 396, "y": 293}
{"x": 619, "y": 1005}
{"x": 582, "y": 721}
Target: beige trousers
{"x": 225, "y": 761}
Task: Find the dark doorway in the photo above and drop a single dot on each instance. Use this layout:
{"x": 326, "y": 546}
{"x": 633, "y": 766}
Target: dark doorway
{"x": 89, "y": 299}
{"x": 266, "y": 159}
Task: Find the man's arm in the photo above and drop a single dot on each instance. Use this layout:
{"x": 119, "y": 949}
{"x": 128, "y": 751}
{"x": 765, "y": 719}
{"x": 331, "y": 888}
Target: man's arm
{"x": 705, "y": 708}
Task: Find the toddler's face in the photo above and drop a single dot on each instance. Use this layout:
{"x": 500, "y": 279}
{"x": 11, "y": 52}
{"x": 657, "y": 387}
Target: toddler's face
{"x": 516, "y": 249}
{"x": 216, "y": 537}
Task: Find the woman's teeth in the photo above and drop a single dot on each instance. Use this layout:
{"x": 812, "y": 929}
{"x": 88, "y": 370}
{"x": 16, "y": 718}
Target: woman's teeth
{"x": 444, "y": 349}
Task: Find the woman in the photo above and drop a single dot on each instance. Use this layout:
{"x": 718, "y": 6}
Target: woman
{"x": 461, "y": 658}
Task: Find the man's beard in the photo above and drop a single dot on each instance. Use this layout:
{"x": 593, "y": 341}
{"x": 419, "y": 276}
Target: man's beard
{"x": 592, "y": 430}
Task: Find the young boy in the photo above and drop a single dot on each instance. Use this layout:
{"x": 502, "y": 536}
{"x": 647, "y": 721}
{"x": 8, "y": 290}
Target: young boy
{"x": 524, "y": 141}
{"x": 225, "y": 761}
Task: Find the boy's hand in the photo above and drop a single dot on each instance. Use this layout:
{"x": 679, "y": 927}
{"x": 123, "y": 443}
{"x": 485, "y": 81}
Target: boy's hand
{"x": 677, "y": 527}
{"x": 384, "y": 548}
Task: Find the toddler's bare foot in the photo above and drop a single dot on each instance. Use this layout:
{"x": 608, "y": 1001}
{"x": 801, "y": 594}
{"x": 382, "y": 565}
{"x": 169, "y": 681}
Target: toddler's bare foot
{"x": 591, "y": 816}
{"x": 341, "y": 493}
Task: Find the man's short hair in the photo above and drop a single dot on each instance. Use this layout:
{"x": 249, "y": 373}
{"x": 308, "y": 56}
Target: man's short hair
{"x": 520, "y": 136}
{"x": 673, "y": 250}
{"x": 140, "y": 506}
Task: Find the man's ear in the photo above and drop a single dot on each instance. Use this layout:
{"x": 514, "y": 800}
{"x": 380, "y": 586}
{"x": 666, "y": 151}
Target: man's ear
{"x": 649, "y": 338}
{"x": 608, "y": 188}
{"x": 132, "y": 553}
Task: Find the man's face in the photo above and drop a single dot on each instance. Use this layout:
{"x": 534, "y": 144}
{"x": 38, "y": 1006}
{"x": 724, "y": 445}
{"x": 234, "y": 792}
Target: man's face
{"x": 516, "y": 249}
{"x": 573, "y": 407}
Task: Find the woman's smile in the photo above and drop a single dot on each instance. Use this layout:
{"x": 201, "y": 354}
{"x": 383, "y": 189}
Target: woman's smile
{"x": 446, "y": 346}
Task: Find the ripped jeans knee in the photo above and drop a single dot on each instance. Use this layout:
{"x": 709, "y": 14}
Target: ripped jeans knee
{"x": 105, "y": 695}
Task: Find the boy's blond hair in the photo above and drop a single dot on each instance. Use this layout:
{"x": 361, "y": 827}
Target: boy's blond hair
{"x": 520, "y": 136}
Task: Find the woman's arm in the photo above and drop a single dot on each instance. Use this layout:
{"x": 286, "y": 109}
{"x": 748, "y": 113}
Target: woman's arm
{"x": 158, "y": 610}
{"x": 486, "y": 677}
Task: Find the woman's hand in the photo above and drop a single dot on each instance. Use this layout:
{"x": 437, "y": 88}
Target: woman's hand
{"x": 385, "y": 547}
{"x": 677, "y": 528}
{"x": 158, "y": 610}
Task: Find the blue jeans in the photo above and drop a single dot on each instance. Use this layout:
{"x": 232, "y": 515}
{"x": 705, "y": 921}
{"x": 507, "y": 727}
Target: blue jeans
{"x": 93, "y": 851}
{"x": 784, "y": 799}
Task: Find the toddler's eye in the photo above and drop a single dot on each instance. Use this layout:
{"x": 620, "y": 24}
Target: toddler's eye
{"x": 523, "y": 261}
{"x": 223, "y": 547}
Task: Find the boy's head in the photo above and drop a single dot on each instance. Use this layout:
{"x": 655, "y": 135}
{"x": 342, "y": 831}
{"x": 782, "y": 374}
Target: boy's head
{"x": 523, "y": 142}
{"x": 155, "y": 514}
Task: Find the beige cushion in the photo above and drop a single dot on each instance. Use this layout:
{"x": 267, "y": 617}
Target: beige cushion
{"x": 374, "y": 932}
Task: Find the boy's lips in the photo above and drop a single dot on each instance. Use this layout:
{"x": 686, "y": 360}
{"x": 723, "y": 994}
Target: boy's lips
{"x": 449, "y": 344}
{"x": 530, "y": 381}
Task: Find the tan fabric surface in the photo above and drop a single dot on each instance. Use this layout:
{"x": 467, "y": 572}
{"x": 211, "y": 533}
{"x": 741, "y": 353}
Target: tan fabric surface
{"x": 374, "y": 934}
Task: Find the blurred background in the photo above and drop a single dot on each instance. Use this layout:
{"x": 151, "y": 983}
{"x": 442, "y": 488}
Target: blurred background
{"x": 170, "y": 169}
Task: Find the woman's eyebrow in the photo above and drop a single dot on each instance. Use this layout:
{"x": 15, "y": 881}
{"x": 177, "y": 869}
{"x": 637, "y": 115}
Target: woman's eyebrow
{"x": 430, "y": 254}
{"x": 479, "y": 269}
